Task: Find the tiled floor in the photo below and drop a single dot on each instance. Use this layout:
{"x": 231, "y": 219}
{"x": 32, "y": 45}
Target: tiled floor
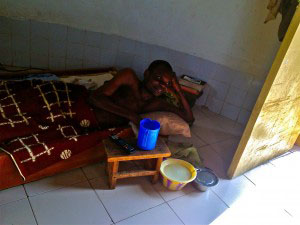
{"x": 268, "y": 194}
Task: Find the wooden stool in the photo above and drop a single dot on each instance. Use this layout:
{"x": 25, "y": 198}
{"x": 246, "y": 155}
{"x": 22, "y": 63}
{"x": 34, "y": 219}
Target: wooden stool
{"x": 115, "y": 154}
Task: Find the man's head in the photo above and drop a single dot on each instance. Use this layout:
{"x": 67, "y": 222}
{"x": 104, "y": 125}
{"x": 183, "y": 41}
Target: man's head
{"x": 158, "y": 77}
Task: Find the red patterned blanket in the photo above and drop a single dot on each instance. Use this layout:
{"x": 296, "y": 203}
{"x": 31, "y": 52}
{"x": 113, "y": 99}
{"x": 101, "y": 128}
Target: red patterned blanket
{"x": 43, "y": 122}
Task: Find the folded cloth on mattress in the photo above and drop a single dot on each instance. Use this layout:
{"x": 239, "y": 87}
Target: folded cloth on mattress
{"x": 43, "y": 122}
{"x": 43, "y": 76}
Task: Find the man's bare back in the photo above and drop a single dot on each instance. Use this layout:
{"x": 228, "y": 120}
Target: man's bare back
{"x": 123, "y": 98}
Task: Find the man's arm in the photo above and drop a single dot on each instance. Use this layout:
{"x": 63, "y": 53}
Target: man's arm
{"x": 186, "y": 109}
{"x": 101, "y": 97}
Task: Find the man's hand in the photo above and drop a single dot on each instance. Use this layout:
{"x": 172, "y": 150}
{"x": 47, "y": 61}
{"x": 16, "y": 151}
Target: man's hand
{"x": 175, "y": 84}
{"x": 135, "y": 119}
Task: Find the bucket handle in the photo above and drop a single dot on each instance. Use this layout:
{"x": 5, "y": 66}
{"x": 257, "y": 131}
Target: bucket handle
{"x": 198, "y": 169}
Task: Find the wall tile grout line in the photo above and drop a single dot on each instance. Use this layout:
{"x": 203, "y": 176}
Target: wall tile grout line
{"x": 240, "y": 111}
{"x": 11, "y": 47}
{"x": 224, "y": 101}
{"x": 226, "y": 95}
{"x": 30, "y": 47}
{"x": 205, "y": 103}
{"x": 48, "y": 56}
{"x": 66, "y": 47}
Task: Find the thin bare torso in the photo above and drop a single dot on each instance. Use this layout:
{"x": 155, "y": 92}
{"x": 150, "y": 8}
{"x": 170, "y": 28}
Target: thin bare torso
{"x": 126, "y": 98}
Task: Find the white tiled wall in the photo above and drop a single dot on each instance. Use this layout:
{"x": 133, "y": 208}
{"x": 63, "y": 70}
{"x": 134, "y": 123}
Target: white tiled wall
{"x": 42, "y": 45}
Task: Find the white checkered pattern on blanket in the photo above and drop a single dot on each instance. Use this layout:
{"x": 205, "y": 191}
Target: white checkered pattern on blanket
{"x": 58, "y": 100}
{"x": 19, "y": 117}
{"x": 70, "y": 137}
{"x": 25, "y": 147}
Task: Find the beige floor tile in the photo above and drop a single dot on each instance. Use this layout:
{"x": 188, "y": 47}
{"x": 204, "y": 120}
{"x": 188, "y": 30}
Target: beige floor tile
{"x": 76, "y": 204}
{"x": 159, "y": 215}
{"x": 12, "y": 194}
{"x": 168, "y": 195}
{"x": 261, "y": 174}
{"x": 196, "y": 141}
{"x": 55, "y": 182}
{"x": 278, "y": 185}
{"x": 98, "y": 169}
{"x": 231, "y": 190}
{"x": 206, "y": 122}
{"x": 211, "y": 135}
{"x": 131, "y": 196}
{"x": 253, "y": 210}
{"x": 226, "y": 149}
{"x": 198, "y": 207}
{"x": 18, "y": 212}
{"x": 232, "y": 127}
{"x": 213, "y": 161}
{"x": 287, "y": 161}
{"x": 284, "y": 182}
{"x": 94, "y": 170}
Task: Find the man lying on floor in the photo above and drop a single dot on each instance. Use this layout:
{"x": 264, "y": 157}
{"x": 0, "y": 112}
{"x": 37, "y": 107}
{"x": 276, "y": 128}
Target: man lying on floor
{"x": 123, "y": 98}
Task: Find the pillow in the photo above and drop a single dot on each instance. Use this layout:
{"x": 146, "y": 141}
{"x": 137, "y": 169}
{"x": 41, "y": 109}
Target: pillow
{"x": 90, "y": 81}
{"x": 170, "y": 123}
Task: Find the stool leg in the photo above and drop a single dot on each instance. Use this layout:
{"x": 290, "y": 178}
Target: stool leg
{"x": 150, "y": 164}
{"x": 113, "y": 170}
{"x": 155, "y": 177}
{"x": 107, "y": 168}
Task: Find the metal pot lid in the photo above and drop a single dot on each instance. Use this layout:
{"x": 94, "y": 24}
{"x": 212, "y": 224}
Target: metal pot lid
{"x": 206, "y": 177}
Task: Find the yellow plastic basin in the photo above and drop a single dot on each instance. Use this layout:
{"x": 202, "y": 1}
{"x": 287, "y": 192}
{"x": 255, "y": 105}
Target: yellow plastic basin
{"x": 177, "y": 173}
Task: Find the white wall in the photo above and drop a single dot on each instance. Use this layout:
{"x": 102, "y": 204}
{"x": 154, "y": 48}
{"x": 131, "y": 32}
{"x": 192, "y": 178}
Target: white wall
{"x": 227, "y": 32}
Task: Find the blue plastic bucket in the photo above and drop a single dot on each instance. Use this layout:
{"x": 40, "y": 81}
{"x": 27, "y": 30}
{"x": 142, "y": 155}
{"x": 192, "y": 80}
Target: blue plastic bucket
{"x": 148, "y": 134}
